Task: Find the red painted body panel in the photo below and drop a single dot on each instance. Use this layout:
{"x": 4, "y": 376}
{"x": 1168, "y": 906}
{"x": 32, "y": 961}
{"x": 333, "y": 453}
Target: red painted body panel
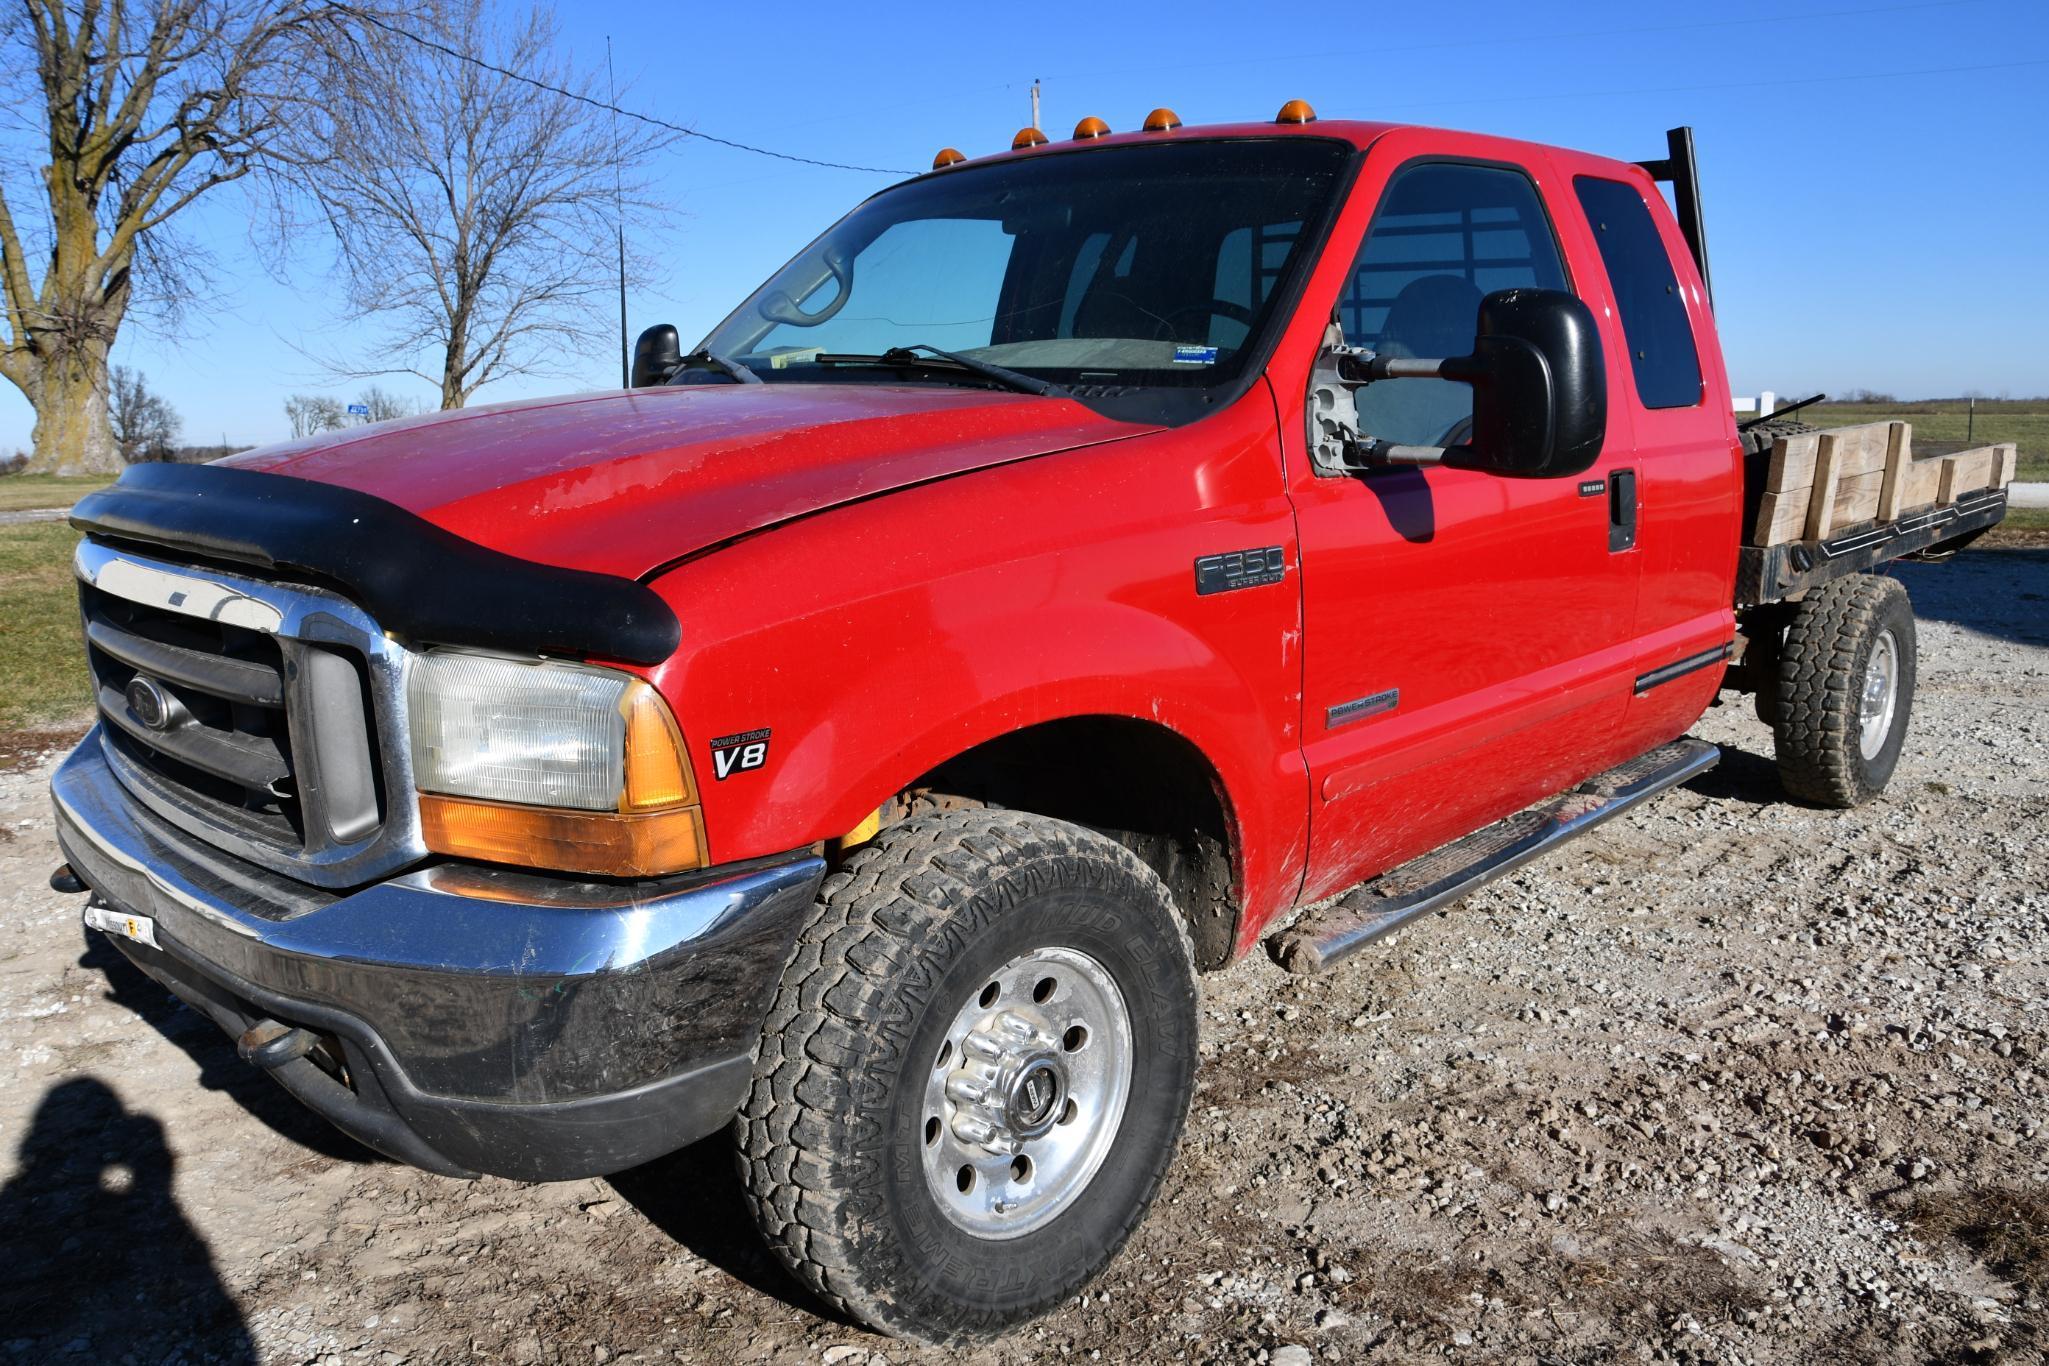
{"x": 880, "y": 639}
{"x": 1493, "y": 605}
{"x": 1034, "y": 561}
{"x": 621, "y": 483}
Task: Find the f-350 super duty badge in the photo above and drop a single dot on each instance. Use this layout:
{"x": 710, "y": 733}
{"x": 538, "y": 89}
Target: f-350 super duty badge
{"x": 732, "y": 754}
{"x": 1240, "y": 569}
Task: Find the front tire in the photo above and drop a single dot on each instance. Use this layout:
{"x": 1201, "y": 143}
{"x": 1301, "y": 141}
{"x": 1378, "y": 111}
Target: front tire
{"x": 1846, "y": 690}
{"x": 974, "y": 1073}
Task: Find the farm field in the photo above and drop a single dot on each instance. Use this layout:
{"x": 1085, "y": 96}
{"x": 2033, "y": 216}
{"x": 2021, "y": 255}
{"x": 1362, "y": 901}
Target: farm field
{"x": 22, "y": 491}
{"x": 1940, "y": 425}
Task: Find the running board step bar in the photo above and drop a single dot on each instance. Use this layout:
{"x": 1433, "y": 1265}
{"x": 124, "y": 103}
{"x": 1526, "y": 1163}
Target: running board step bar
{"x": 1440, "y": 877}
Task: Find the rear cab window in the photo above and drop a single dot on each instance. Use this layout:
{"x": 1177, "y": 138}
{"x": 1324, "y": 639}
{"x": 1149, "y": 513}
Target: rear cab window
{"x": 1662, "y": 355}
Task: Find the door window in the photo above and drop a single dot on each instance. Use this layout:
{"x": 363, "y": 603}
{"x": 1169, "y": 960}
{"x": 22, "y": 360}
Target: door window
{"x": 1654, "y": 322}
{"x": 1445, "y": 234}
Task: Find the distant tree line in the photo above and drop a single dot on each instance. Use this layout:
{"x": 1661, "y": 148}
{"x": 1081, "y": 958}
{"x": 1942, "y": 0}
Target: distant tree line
{"x": 311, "y": 414}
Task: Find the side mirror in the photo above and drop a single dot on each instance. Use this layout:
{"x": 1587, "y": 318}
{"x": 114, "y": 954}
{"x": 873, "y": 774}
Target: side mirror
{"x": 1540, "y": 390}
{"x": 657, "y": 355}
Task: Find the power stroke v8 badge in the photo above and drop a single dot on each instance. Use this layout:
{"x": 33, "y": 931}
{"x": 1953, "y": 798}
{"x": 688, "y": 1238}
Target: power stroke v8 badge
{"x": 732, "y": 754}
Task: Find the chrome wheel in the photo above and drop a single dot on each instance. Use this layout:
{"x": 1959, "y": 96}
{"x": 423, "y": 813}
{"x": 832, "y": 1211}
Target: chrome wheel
{"x": 1880, "y": 696}
{"x": 1026, "y": 1093}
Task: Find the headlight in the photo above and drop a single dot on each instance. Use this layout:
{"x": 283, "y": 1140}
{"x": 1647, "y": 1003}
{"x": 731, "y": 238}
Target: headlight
{"x": 552, "y": 765}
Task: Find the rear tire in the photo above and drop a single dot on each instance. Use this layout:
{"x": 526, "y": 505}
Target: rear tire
{"x": 1845, "y": 690}
{"x": 898, "y": 1154}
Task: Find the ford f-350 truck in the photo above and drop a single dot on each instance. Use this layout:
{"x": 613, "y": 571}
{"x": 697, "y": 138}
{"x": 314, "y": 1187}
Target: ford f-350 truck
{"x": 859, "y": 734}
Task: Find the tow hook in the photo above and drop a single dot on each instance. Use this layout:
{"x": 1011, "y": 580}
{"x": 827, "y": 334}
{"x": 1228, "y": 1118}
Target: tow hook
{"x": 269, "y": 1044}
{"x": 64, "y": 880}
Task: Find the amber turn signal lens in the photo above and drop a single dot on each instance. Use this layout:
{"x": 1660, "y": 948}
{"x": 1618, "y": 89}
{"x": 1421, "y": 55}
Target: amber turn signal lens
{"x": 657, "y": 774}
{"x": 947, "y": 157}
{"x": 1091, "y": 128}
{"x": 1296, "y": 111}
{"x": 600, "y": 842}
{"x": 1026, "y": 137}
{"x": 1161, "y": 121}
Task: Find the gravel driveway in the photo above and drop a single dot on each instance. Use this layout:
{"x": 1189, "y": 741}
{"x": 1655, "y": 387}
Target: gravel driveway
{"x": 1731, "y": 1080}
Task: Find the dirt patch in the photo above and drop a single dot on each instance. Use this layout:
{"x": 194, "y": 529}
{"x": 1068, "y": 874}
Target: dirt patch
{"x": 23, "y": 750}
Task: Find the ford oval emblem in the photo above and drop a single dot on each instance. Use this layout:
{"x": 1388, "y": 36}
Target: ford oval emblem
{"x": 147, "y": 699}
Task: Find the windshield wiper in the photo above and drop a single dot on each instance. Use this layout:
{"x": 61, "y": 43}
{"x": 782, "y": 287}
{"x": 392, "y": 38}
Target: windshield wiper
{"x": 907, "y": 358}
{"x": 712, "y": 360}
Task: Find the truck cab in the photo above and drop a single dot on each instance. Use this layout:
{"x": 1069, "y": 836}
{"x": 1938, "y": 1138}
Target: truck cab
{"x": 859, "y": 733}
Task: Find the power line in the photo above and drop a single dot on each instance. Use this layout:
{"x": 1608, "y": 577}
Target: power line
{"x": 445, "y": 50}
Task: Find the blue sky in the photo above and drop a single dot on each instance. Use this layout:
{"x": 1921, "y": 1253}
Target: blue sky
{"x": 1876, "y": 180}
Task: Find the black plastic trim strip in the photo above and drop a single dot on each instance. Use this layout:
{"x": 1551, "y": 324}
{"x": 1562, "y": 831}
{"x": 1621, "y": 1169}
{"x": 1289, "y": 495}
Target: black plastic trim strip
{"x": 1706, "y": 659}
{"x": 249, "y": 761}
{"x": 420, "y": 581}
{"x": 223, "y": 676}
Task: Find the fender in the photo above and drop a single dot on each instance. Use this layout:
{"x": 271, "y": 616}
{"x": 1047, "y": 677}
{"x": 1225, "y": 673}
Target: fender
{"x": 875, "y": 641}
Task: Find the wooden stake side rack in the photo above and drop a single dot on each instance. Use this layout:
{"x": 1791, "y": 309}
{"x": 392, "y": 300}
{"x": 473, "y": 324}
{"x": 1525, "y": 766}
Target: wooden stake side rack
{"x": 1820, "y": 482}
{"x": 1839, "y": 501}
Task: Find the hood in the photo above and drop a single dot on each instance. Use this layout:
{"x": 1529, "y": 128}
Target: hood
{"x": 624, "y": 482}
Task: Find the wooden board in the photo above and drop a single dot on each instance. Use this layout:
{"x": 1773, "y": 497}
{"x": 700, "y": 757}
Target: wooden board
{"x": 1966, "y": 471}
{"x": 1899, "y": 454}
{"x": 1792, "y": 462}
{"x": 1821, "y": 502}
{"x": 1920, "y": 484}
{"x": 1857, "y": 499}
{"x": 1782, "y": 516}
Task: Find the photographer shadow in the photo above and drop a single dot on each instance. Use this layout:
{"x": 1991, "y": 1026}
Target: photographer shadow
{"x": 96, "y": 1257}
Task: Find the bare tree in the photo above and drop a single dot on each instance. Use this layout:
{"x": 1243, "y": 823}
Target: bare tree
{"x": 145, "y": 426}
{"x": 136, "y": 112}
{"x": 311, "y": 413}
{"x": 474, "y": 211}
{"x": 378, "y": 405}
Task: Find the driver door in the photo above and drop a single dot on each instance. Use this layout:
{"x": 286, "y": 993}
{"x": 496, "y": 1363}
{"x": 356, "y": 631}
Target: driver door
{"x": 1467, "y": 636}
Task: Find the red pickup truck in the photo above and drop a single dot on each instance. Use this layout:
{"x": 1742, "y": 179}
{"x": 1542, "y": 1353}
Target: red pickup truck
{"x": 859, "y": 733}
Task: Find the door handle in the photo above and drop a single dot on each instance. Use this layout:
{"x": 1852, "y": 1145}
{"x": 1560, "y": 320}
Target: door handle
{"x": 1621, "y": 509}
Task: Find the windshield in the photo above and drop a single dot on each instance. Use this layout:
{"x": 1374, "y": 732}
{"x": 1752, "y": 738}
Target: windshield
{"x": 1151, "y": 266}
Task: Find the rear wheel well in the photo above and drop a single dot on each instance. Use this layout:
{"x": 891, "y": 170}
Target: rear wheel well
{"x": 1138, "y": 783}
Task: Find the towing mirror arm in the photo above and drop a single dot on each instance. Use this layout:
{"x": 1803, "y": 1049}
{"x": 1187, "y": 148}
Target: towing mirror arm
{"x": 1540, "y": 394}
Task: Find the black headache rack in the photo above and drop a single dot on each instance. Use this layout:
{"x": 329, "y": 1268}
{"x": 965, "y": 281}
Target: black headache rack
{"x": 419, "y": 581}
{"x": 1678, "y": 169}
{"x": 1772, "y": 573}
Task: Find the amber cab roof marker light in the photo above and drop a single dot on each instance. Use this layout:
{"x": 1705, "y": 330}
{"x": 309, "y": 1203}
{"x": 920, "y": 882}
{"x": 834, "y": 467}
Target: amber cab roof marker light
{"x": 1027, "y": 137}
{"x": 947, "y": 157}
{"x": 1296, "y": 111}
{"x": 1162, "y": 121}
{"x": 1091, "y": 128}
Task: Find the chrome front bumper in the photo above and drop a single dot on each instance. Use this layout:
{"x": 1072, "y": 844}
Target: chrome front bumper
{"x": 487, "y": 1021}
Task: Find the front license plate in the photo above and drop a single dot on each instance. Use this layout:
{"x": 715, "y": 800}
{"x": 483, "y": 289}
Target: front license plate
{"x": 140, "y": 928}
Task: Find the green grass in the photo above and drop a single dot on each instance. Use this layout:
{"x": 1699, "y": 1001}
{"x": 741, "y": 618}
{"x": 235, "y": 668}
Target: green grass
{"x": 22, "y": 491}
{"x": 1939, "y": 425}
{"x": 42, "y": 659}
{"x": 2023, "y": 519}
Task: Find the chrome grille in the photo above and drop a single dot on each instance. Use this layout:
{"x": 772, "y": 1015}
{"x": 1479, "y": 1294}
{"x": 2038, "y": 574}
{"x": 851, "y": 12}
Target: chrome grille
{"x": 264, "y": 717}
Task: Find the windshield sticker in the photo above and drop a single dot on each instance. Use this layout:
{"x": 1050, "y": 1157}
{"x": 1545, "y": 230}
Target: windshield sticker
{"x": 1195, "y": 355}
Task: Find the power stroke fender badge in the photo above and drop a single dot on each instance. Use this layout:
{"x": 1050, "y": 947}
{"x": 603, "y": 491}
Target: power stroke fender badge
{"x": 732, "y": 754}
{"x": 1240, "y": 569}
